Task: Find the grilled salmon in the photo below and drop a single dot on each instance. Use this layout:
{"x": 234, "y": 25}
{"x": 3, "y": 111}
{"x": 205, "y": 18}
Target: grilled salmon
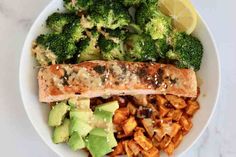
{"x": 103, "y": 78}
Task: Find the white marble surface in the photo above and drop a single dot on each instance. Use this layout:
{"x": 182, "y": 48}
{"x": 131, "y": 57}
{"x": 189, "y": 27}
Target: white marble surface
{"x": 17, "y": 136}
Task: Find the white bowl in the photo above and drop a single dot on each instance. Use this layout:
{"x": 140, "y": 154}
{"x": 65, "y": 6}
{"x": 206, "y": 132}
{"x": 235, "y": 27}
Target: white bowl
{"x": 38, "y": 113}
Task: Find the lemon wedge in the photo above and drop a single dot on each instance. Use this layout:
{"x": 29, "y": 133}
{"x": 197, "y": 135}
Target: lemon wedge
{"x": 182, "y": 12}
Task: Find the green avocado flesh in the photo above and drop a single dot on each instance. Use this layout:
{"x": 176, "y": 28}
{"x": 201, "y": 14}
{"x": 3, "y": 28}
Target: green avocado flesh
{"x": 77, "y": 125}
{"x": 109, "y": 107}
{"x": 103, "y": 115}
{"x": 83, "y": 115}
{"x": 76, "y": 142}
{"x": 97, "y": 143}
{"x": 79, "y": 103}
{"x": 57, "y": 114}
{"x": 61, "y": 133}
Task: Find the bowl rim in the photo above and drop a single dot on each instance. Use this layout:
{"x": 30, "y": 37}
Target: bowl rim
{"x": 187, "y": 148}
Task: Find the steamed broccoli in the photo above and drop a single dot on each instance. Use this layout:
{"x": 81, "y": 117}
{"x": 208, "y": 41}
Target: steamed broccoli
{"x": 131, "y": 2}
{"x": 77, "y": 5}
{"x": 163, "y": 46}
{"x": 88, "y": 47}
{"x": 156, "y": 24}
{"x": 57, "y": 21}
{"x": 111, "y": 50}
{"x": 140, "y": 48}
{"x": 74, "y": 31}
{"x": 58, "y": 44}
{"x": 187, "y": 51}
{"x": 117, "y": 35}
{"x": 109, "y": 14}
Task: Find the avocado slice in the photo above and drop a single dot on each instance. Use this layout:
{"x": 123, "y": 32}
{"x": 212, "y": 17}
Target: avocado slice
{"x": 57, "y": 114}
{"x": 79, "y": 103}
{"x": 111, "y": 139}
{"x": 98, "y": 145}
{"x": 80, "y": 126}
{"x": 84, "y": 115}
{"x": 61, "y": 133}
{"x": 109, "y": 135}
{"x": 98, "y": 132}
{"x": 109, "y": 107}
{"x": 102, "y": 115}
{"x": 76, "y": 142}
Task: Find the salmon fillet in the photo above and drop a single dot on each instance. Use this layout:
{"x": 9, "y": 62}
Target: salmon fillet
{"x": 103, "y": 78}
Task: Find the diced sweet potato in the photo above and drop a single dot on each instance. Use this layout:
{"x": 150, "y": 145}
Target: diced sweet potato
{"x": 134, "y": 147}
{"x": 169, "y": 149}
{"x": 165, "y": 142}
{"x": 171, "y": 129}
{"x": 128, "y": 151}
{"x": 177, "y": 102}
{"x": 177, "y": 139}
{"x": 121, "y": 115}
{"x": 121, "y": 135}
{"x": 155, "y": 142}
{"x": 142, "y": 140}
{"x": 159, "y": 134}
{"x": 192, "y": 107}
{"x": 153, "y": 152}
{"x": 163, "y": 110}
{"x": 132, "y": 108}
{"x": 161, "y": 100}
{"x": 164, "y": 120}
{"x": 148, "y": 125}
{"x": 129, "y": 125}
{"x": 186, "y": 124}
{"x": 175, "y": 114}
{"x": 119, "y": 150}
{"x": 154, "y": 110}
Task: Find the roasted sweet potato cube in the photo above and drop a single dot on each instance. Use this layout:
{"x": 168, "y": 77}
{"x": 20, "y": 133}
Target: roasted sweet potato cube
{"x": 163, "y": 110}
{"x": 165, "y": 142}
{"x": 121, "y": 135}
{"x": 132, "y": 108}
{"x": 161, "y": 100}
{"x": 159, "y": 134}
{"x": 148, "y": 125}
{"x": 164, "y": 120}
{"x": 155, "y": 142}
{"x": 177, "y": 139}
{"x": 192, "y": 107}
{"x": 129, "y": 125}
{"x": 128, "y": 151}
{"x": 142, "y": 140}
{"x": 169, "y": 149}
{"x": 119, "y": 150}
{"x": 177, "y": 102}
{"x": 153, "y": 152}
{"x": 186, "y": 124}
{"x": 175, "y": 114}
{"x": 134, "y": 147}
{"x": 121, "y": 115}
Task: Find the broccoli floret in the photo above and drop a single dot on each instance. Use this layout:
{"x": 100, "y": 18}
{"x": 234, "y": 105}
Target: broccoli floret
{"x": 156, "y": 24}
{"x": 111, "y": 50}
{"x": 187, "y": 51}
{"x": 57, "y": 21}
{"x": 88, "y": 47}
{"x": 58, "y": 44}
{"x": 74, "y": 31}
{"x": 163, "y": 46}
{"x": 140, "y": 48}
{"x": 109, "y": 14}
{"x": 132, "y": 2}
{"x": 117, "y": 35}
{"x": 77, "y": 5}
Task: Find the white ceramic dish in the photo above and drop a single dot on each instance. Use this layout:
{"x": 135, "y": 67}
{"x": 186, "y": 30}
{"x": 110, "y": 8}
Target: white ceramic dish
{"x": 38, "y": 113}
